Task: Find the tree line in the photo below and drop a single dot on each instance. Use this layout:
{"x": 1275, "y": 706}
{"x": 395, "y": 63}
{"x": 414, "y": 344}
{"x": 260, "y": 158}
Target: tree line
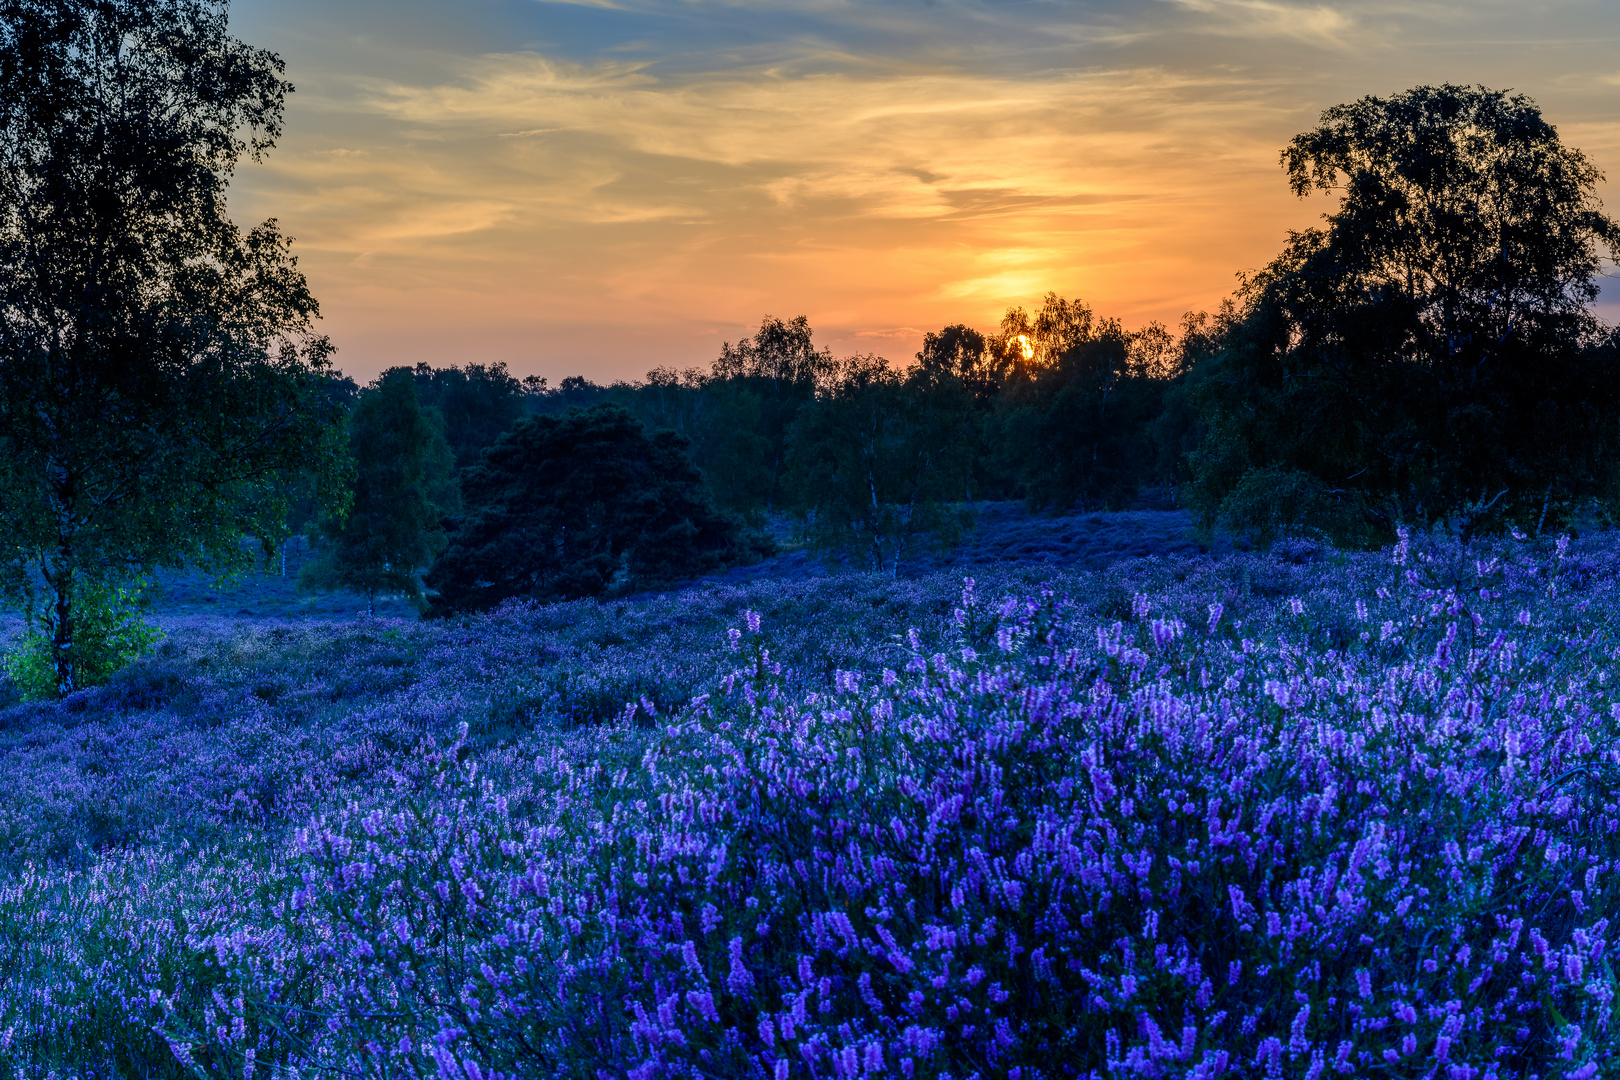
{"x": 1428, "y": 356}
{"x": 471, "y": 467}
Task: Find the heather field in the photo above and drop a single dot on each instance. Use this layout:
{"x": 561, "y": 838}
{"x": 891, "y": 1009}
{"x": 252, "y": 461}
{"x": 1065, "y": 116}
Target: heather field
{"x": 1301, "y": 813}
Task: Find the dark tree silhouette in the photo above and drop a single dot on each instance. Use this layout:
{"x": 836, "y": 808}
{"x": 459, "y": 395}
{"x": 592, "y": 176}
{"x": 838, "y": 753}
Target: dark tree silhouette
{"x": 962, "y": 352}
{"x": 477, "y": 404}
{"x": 881, "y": 463}
{"x": 1430, "y": 354}
{"x": 580, "y": 505}
{"x": 1081, "y": 431}
{"x": 773, "y": 375}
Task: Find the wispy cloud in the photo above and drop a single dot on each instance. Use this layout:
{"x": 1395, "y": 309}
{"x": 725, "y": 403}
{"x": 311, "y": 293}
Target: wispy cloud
{"x": 603, "y": 5}
{"x": 954, "y": 145}
{"x": 1321, "y": 24}
{"x": 642, "y": 171}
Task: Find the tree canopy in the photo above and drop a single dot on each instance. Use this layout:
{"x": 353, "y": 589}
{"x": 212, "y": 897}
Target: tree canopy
{"x": 404, "y": 486}
{"x": 1075, "y": 420}
{"x": 1430, "y": 353}
{"x": 476, "y": 404}
{"x": 160, "y": 383}
{"x": 881, "y": 463}
{"x": 779, "y": 369}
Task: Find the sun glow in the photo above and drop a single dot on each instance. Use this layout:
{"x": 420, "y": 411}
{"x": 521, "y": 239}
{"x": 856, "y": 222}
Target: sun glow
{"x": 1023, "y": 343}
{"x": 569, "y": 208}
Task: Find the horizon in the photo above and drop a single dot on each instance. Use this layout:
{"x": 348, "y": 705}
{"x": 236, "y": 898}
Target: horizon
{"x": 598, "y": 188}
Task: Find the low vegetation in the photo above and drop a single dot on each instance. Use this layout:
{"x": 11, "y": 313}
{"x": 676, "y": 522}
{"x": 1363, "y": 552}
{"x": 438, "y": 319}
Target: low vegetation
{"x": 1303, "y": 813}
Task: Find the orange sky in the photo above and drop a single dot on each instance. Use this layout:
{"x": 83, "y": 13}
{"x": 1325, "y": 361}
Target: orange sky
{"x": 600, "y": 187}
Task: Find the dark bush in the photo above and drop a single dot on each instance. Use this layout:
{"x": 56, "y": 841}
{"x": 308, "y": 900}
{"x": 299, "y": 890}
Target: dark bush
{"x": 580, "y": 505}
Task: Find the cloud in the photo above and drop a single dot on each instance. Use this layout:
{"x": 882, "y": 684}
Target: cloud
{"x": 905, "y": 332}
{"x": 524, "y": 188}
{"x": 929, "y": 145}
{"x": 1320, "y": 24}
{"x": 646, "y": 170}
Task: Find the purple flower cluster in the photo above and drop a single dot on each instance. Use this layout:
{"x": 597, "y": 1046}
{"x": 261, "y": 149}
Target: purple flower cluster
{"x": 1361, "y": 829}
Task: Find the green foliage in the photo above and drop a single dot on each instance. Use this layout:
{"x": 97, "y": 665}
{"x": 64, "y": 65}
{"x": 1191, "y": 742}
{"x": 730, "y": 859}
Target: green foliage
{"x": 724, "y": 419}
{"x": 1060, "y": 407}
{"x": 1429, "y": 353}
{"x": 581, "y": 505}
{"x": 404, "y": 485}
{"x": 110, "y": 635}
{"x": 1080, "y": 430}
{"x": 1271, "y": 503}
{"x": 769, "y": 378}
{"x": 881, "y": 464}
{"x": 160, "y": 384}
{"x": 476, "y": 404}
{"x": 309, "y": 495}
{"x": 734, "y": 448}
{"x": 574, "y": 392}
{"x": 963, "y": 352}
{"x": 1072, "y": 409}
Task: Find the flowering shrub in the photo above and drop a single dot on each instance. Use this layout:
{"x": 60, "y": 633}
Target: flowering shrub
{"x": 1364, "y": 827}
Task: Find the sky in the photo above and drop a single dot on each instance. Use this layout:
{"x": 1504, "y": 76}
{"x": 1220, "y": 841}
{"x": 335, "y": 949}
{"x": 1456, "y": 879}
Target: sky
{"x": 603, "y": 187}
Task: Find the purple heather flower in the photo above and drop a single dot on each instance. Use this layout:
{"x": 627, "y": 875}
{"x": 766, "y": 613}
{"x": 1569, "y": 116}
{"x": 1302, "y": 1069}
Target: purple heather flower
{"x": 1296, "y": 1031}
{"x": 739, "y": 981}
{"x": 703, "y": 1002}
{"x": 1270, "y": 1056}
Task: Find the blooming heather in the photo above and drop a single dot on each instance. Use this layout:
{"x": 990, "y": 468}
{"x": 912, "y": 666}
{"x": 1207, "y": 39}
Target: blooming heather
{"x": 1352, "y": 819}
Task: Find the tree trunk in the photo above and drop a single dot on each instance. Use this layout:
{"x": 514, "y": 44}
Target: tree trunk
{"x": 59, "y": 578}
{"x": 60, "y": 564}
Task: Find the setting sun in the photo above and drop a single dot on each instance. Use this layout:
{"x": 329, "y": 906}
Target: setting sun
{"x": 603, "y": 188}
